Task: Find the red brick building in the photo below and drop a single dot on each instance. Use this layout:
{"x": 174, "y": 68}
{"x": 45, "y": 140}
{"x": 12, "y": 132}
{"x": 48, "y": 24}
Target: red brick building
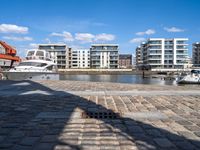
{"x": 125, "y": 61}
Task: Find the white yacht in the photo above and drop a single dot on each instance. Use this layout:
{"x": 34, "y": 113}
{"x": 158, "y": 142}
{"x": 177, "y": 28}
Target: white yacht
{"x": 37, "y": 66}
{"x": 190, "y": 78}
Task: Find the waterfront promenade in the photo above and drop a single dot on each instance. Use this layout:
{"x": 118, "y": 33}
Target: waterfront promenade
{"x": 64, "y": 115}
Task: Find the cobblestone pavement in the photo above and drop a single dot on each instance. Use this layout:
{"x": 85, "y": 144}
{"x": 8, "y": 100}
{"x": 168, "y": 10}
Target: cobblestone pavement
{"x": 64, "y": 115}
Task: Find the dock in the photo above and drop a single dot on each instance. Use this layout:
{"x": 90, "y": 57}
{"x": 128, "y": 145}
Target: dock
{"x": 78, "y": 115}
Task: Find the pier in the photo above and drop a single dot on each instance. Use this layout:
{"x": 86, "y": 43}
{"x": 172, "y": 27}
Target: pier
{"x": 66, "y": 115}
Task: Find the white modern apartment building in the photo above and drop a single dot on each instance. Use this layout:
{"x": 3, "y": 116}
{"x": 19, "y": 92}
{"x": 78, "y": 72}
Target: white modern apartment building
{"x": 58, "y": 52}
{"x": 165, "y": 53}
{"x": 196, "y": 53}
{"x": 104, "y": 56}
{"x": 79, "y": 58}
{"x": 138, "y": 54}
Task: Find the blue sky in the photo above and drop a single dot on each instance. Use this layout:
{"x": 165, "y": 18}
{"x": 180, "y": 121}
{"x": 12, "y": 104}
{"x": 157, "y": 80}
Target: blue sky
{"x": 78, "y": 23}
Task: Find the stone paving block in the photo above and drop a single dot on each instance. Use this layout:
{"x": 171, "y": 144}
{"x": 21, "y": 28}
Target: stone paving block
{"x": 163, "y": 142}
{"x": 55, "y": 115}
{"x": 188, "y": 135}
{"x": 197, "y": 133}
{"x": 6, "y": 145}
{"x": 70, "y": 141}
{"x": 17, "y": 134}
{"x": 5, "y": 131}
{"x": 3, "y": 114}
{"x": 145, "y": 145}
{"x": 174, "y": 137}
{"x": 44, "y": 146}
{"x": 63, "y": 147}
{"x": 29, "y": 141}
{"x": 53, "y": 132}
{"x": 145, "y": 115}
{"x": 49, "y": 139}
{"x": 21, "y": 147}
{"x": 184, "y": 122}
{"x": 196, "y": 144}
{"x": 184, "y": 145}
{"x": 192, "y": 128}
{"x": 108, "y": 142}
{"x": 109, "y": 147}
{"x": 135, "y": 129}
{"x": 2, "y": 138}
{"x": 128, "y": 147}
{"x": 154, "y": 133}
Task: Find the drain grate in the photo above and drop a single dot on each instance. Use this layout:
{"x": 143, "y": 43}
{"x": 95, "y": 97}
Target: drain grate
{"x": 100, "y": 115}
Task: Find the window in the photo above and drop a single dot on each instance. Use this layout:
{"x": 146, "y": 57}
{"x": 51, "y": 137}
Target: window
{"x": 35, "y": 64}
{"x": 30, "y": 53}
{"x": 50, "y": 67}
{"x": 39, "y": 53}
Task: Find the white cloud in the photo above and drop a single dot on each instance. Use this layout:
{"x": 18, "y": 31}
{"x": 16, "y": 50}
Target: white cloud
{"x": 104, "y": 37}
{"x": 67, "y": 36}
{"x": 137, "y": 40}
{"x": 147, "y": 32}
{"x": 33, "y": 45}
{"x": 84, "y": 37}
{"x": 173, "y": 29}
{"x": 14, "y": 38}
{"x": 11, "y": 28}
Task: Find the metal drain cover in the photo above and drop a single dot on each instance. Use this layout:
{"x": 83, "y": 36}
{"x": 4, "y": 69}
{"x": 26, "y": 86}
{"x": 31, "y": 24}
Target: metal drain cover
{"x": 100, "y": 115}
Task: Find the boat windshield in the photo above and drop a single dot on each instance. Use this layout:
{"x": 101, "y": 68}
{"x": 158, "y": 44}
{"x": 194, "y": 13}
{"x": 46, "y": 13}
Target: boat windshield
{"x": 35, "y": 64}
{"x": 195, "y": 71}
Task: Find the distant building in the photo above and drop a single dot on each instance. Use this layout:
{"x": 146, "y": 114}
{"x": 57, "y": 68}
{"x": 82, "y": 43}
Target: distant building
{"x": 79, "y": 58}
{"x": 138, "y": 55}
{"x": 164, "y": 53}
{"x": 196, "y": 53}
{"x": 133, "y": 60}
{"x": 58, "y": 52}
{"x": 125, "y": 61}
{"x": 5, "y": 64}
{"x": 104, "y": 56}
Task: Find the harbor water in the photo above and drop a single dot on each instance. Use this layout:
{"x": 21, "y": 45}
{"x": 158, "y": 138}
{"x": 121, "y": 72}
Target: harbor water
{"x": 134, "y": 79}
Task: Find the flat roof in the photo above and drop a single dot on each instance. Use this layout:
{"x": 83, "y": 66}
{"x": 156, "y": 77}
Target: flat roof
{"x": 104, "y": 44}
{"x": 52, "y": 45}
{"x": 167, "y": 39}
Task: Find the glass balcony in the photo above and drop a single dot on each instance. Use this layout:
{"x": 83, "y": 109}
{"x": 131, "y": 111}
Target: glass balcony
{"x": 155, "y": 42}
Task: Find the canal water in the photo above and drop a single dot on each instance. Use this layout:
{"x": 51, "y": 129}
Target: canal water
{"x": 134, "y": 79}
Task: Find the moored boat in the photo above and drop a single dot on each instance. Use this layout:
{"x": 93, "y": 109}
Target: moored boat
{"x": 37, "y": 66}
{"x": 190, "y": 78}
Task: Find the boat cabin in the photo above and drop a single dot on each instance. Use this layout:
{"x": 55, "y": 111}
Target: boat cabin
{"x": 195, "y": 72}
{"x": 38, "y": 54}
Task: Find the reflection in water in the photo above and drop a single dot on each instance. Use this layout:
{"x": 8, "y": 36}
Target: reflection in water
{"x": 137, "y": 79}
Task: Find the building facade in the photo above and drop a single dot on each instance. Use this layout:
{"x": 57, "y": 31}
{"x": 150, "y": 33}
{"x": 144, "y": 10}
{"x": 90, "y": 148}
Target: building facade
{"x": 79, "y": 58}
{"x": 196, "y": 53}
{"x": 104, "y": 56}
{"x": 58, "y": 52}
{"x": 138, "y": 55}
{"x": 165, "y": 53}
{"x": 125, "y": 61}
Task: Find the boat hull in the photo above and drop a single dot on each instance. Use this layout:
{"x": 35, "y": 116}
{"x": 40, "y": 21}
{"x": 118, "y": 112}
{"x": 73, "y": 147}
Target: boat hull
{"x": 188, "y": 80}
{"x": 31, "y": 76}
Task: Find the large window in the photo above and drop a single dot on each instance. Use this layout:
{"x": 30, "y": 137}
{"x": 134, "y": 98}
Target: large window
{"x": 155, "y": 47}
{"x": 155, "y": 42}
{"x": 35, "y": 64}
{"x": 180, "y": 42}
{"x": 39, "y": 53}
